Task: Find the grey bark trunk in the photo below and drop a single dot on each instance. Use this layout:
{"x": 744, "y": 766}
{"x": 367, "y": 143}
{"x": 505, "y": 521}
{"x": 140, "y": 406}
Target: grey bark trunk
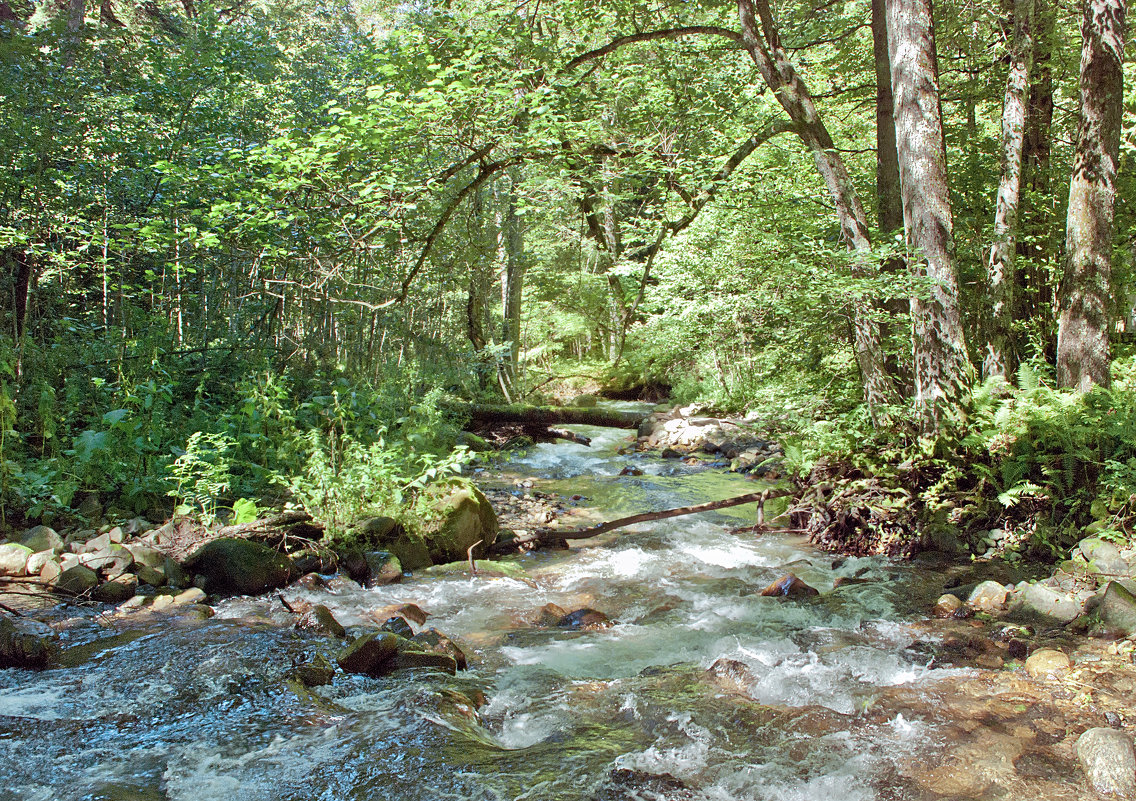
{"x": 1000, "y": 357}
{"x": 890, "y": 207}
{"x": 1083, "y": 324}
{"x": 942, "y": 366}
{"x": 764, "y": 46}
{"x": 512, "y": 286}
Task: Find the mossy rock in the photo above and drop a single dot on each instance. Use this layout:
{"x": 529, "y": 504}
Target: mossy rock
{"x": 239, "y": 567}
{"x": 462, "y": 517}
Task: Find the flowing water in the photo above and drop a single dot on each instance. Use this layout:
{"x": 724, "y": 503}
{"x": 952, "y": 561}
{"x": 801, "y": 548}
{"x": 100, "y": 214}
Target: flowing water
{"x": 188, "y": 709}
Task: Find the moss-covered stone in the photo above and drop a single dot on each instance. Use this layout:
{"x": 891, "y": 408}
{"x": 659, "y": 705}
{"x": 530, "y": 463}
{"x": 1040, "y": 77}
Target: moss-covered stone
{"x": 466, "y": 518}
{"x": 27, "y": 645}
{"x": 370, "y": 654}
{"x": 239, "y": 567}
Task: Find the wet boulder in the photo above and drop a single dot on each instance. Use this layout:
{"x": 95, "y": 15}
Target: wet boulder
{"x": 412, "y": 612}
{"x": 632, "y": 785}
{"x": 731, "y": 675}
{"x": 370, "y": 654}
{"x": 318, "y": 618}
{"x": 383, "y": 568}
{"x": 118, "y": 589}
{"x": 437, "y": 642}
{"x": 314, "y": 672}
{"x": 549, "y": 615}
{"x": 313, "y": 560}
{"x": 397, "y": 625}
{"x": 410, "y": 657}
{"x": 789, "y": 586}
{"x": 1107, "y": 758}
{"x": 584, "y": 620}
{"x": 27, "y": 644}
{"x": 947, "y": 605}
{"x": 234, "y": 566}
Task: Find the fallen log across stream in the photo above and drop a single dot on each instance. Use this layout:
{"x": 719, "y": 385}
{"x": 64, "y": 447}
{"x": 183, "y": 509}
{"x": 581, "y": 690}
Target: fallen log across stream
{"x": 555, "y": 535}
{"x": 486, "y": 414}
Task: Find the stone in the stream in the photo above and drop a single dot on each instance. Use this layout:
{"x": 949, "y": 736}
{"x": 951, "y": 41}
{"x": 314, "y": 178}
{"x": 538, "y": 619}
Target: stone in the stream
{"x": 354, "y": 564}
{"x": 239, "y": 567}
{"x": 313, "y": 560}
{"x": 384, "y": 568}
{"x": 550, "y": 615}
{"x": 436, "y": 641}
{"x": 1107, "y": 758}
{"x": 412, "y": 612}
{"x": 397, "y": 625}
{"x": 989, "y": 596}
{"x": 320, "y": 619}
{"x": 312, "y": 581}
{"x": 731, "y": 675}
{"x": 789, "y": 586}
{"x": 1041, "y": 600}
{"x": 585, "y": 619}
{"x": 117, "y": 589}
{"x": 1047, "y": 662}
{"x": 149, "y": 575}
{"x": 631, "y": 471}
{"x": 412, "y": 658}
{"x": 42, "y": 538}
{"x": 1117, "y": 609}
{"x": 27, "y": 644}
{"x": 77, "y": 580}
{"x": 624, "y": 784}
{"x": 369, "y": 654}
{"x": 194, "y": 595}
{"x": 947, "y": 605}
{"x": 315, "y": 672}
{"x": 14, "y": 559}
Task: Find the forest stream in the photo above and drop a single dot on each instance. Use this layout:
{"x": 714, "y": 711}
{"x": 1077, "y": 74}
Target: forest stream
{"x": 702, "y": 688}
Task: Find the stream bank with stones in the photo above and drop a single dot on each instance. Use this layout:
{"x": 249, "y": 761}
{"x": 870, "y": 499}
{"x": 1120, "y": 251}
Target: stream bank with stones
{"x": 689, "y": 685}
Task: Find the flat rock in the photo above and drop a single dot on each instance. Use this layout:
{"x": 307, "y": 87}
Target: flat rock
{"x": 1108, "y": 761}
{"x": 1047, "y": 662}
{"x": 1041, "y": 600}
{"x": 789, "y": 586}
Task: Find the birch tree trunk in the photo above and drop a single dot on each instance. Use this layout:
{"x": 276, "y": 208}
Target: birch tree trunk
{"x": 942, "y": 366}
{"x": 1083, "y": 324}
{"x": 1000, "y": 356}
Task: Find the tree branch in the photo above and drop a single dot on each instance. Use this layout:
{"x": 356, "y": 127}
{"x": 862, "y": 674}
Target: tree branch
{"x": 648, "y": 36}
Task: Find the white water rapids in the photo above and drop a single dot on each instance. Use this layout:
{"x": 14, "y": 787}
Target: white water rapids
{"x": 191, "y": 710}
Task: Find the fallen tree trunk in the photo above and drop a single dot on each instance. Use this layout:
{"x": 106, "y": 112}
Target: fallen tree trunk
{"x": 553, "y": 535}
{"x": 484, "y": 414}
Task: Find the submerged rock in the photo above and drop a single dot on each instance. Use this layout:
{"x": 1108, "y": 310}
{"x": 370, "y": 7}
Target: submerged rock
{"x": 239, "y": 567}
{"x": 585, "y": 619}
{"x": 315, "y": 672}
{"x": 789, "y": 586}
{"x": 27, "y": 644}
{"x": 320, "y": 619}
{"x": 731, "y": 675}
{"x": 1047, "y": 662}
{"x": 550, "y": 615}
{"x": 1108, "y": 761}
{"x": 635, "y": 785}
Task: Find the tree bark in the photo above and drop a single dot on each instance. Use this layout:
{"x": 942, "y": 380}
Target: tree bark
{"x": 889, "y": 203}
{"x": 1000, "y": 357}
{"x": 764, "y": 46}
{"x": 550, "y": 415}
{"x": 1083, "y": 325}
{"x": 942, "y": 366}
{"x": 512, "y": 284}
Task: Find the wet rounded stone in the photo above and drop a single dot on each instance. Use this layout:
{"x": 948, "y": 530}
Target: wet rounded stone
{"x": 789, "y": 586}
{"x": 1107, "y": 758}
{"x": 550, "y": 615}
{"x": 1047, "y": 662}
{"x": 320, "y": 619}
{"x": 369, "y": 654}
{"x": 437, "y": 642}
{"x": 989, "y": 596}
{"x": 584, "y": 619}
{"x": 947, "y": 605}
{"x": 397, "y": 625}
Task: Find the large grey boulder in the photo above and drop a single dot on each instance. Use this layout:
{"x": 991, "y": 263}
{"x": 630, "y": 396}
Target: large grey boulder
{"x": 1117, "y": 609}
{"x": 42, "y": 538}
{"x": 1041, "y": 600}
{"x": 988, "y": 596}
{"x": 1108, "y": 761}
{"x": 1103, "y": 557}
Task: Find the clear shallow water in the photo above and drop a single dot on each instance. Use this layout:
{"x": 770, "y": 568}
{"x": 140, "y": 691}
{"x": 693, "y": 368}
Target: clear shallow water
{"x": 201, "y": 710}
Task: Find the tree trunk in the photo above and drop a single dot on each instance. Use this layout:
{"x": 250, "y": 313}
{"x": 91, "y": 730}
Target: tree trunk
{"x": 1083, "y": 325}
{"x": 550, "y": 415}
{"x": 890, "y": 206}
{"x": 1000, "y": 357}
{"x": 764, "y": 47}
{"x": 512, "y": 285}
{"x": 942, "y": 366}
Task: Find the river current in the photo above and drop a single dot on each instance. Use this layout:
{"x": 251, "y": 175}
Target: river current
{"x": 703, "y": 689}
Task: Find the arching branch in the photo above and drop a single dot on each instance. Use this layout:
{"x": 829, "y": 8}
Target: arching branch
{"x": 648, "y": 36}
